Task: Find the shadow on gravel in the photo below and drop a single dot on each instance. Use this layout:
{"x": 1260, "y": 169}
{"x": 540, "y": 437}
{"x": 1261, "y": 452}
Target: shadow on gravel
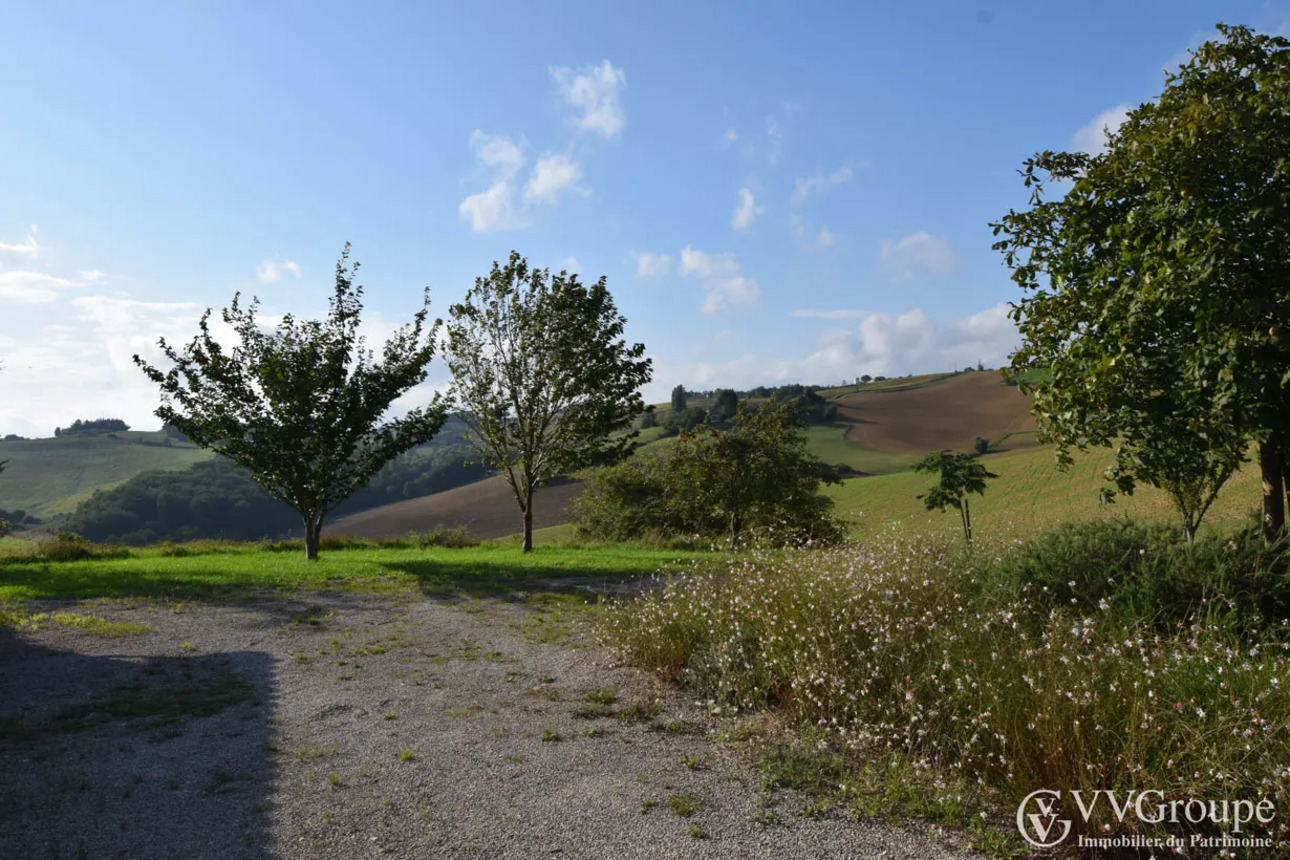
{"x": 140, "y": 757}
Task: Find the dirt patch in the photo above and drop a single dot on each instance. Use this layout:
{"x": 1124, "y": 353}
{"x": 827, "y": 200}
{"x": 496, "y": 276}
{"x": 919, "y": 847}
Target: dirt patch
{"x": 485, "y": 508}
{"x": 351, "y": 726}
{"x": 949, "y": 413}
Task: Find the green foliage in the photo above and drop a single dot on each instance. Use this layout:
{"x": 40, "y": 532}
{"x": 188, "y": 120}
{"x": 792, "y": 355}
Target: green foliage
{"x": 544, "y": 375}
{"x": 913, "y": 654}
{"x": 679, "y": 397}
{"x": 301, "y": 406}
{"x": 724, "y": 409}
{"x": 1144, "y": 576}
{"x": 960, "y": 475}
{"x": 1156, "y": 286}
{"x": 628, "y": 500}
{"x": 807, "y": 405}
{"x": 755, "y": 476}
{"x": 981, "y": 446}
{"x": 92, "y": 427}
{"x": 687, "y": 419}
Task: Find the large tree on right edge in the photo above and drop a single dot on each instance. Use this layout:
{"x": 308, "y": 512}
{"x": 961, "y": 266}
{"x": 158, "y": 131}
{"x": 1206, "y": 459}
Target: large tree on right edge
{"x": 1158, "y": 287}
{"x": 543, "y": 375}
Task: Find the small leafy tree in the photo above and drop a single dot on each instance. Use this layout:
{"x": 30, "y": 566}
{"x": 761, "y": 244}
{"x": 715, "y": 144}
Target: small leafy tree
{"x": 724, "y": 409}
{"x": 960, "y": 475}
{"x": 301, "y": 405}
{"x": 757, "y": 472}
{"x": 1156, "y": 285}
{"x": 544, "y": 375}
{"x": 679, "y": 398}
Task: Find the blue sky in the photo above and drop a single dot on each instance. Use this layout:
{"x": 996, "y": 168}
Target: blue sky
{"x": 776, "y": 192}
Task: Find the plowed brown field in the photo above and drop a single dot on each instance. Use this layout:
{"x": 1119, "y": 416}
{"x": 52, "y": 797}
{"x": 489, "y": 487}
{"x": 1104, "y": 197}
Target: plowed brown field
{"x": 949, "y": 413}
{"x": 486, "y": 508}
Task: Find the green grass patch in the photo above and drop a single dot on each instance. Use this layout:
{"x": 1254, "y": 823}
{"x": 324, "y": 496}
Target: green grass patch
{"x": 828, "y": 442}
{"x": 89, "y": 624}
{"x": 1030, "y": 496}
{"x": 242, "y": 570}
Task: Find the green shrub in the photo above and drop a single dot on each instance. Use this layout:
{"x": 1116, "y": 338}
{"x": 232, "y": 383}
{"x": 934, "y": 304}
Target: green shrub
{"x": 66, "y": 546}
{"x": 457, "y": 537}
{"x": 1148, "y": 574}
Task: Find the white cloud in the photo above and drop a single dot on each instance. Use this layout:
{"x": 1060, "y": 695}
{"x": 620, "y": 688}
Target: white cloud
{"x": 746, "y": 210}
{"x": 831, "y": 314}
{"x": 32, "y": 287}
{"x": 917, "y": 256}
{"x": 731, "y": 136}
{"x": 652, "y": 265}
{"x": 820, "y": 183}
{"x": 722, "y": 279}
{"x": 571, "y": 265}
{"x": 28, "y": 247}
{"x": 879, "y": 344}
{"x": 92, "y": 275}
{"x": 552, "y": 176}
{"x": 593, "y": 92}
{"x": 81, "y": 362}
{"x": 1092, "y": 137}
{"x": 493, "y": 209}
{"x": 498, "y": 152}
{"x": 913, "y": 342}
{"x": 271, "y": 271}
{"x": 802, "y": 230}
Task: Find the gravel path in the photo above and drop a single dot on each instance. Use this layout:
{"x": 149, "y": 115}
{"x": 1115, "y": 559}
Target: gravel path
{"x": 337, "y": 725}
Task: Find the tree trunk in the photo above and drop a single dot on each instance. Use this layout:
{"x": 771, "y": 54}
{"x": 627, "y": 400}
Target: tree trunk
{"x": 736, "y": 523}
{"x": 1273, "y": 468}
{"x": 967, "y": 520}
{"x": 527, "y": 546}
{"x": 1190, "y": 525}
{"x": 313, "y": 532}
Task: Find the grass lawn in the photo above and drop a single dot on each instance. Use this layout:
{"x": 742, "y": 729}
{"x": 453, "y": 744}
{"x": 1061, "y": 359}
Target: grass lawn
{"x": 828, "y": 442}
{"x": 232, "y": 572}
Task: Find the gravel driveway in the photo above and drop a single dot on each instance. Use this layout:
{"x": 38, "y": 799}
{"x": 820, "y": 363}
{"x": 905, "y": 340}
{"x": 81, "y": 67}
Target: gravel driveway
{"x": 339, "y": 725}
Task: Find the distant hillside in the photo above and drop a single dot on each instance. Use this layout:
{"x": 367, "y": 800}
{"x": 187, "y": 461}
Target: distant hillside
{"x": 949, "y": 412}
{"x": 52, "y": 476}
{"x": 47, "y": 477}
{"x": 1029, "y": 496}
{"x": 486, "y": 508}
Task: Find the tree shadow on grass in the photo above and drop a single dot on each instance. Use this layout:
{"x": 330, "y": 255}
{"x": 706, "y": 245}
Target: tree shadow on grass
{"x": 444, "y": 580}
{"x": 134, "y": 756}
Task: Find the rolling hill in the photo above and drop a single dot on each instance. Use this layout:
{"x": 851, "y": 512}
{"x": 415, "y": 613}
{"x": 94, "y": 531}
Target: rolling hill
{"x": 52, "y": 476}
{"x": 485, "y": 508}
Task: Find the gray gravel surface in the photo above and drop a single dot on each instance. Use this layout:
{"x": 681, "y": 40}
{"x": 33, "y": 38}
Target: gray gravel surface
{"x": 334, "y": 725}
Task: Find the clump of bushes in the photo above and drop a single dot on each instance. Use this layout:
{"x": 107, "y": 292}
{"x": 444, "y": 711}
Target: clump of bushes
{"x": 966, "y": 663}
{"x": 1148, "y": 574}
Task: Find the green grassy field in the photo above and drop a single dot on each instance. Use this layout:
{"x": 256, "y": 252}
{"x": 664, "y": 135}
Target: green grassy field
{"x": 828, "y": 442}
{"x": 1029, "y": 496}
{"x": 52, "y": 476}
{"x": 230, "y": 572}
